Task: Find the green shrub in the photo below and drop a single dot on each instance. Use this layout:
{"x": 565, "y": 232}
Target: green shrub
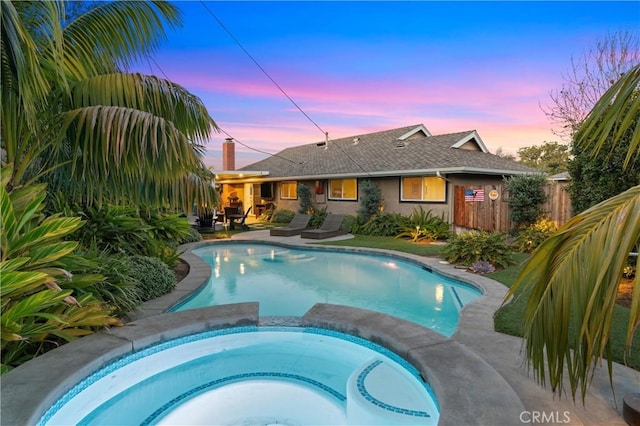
{"x": 317, "y": 217}
{"x": 350, "y": 223}
{"x": 282, "y": 216}
{"x": 532, "y": 236}
{"x": 152, "y": 277}
{"x": 526, "y": 196}
{"x": 370, "y": 201}
{"x": 304, "y": 198}
{"x": 192, "y": 237}
{"x": 470, "y": 247}
{"x": 385, "y": 225}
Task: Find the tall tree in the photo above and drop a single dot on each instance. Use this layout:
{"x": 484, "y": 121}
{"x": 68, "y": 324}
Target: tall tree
{"x": 73, "y": 117}
{"x": 551, "y": 157}
{"x": 590, "y": 75}
{"x": 573, "y": 276}
{"x": 594, "y": 178}
{"x": 500, "y": 153}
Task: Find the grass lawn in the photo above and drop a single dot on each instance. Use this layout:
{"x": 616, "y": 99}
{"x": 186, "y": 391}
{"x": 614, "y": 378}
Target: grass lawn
{"x": 508, "y": 319}
{"x": 389, "y": 243}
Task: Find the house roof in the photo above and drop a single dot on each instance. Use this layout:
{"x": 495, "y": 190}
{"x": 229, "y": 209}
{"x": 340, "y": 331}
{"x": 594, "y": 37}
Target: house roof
{"x": 562, "y": 176}
{"x": 410, "y": 150}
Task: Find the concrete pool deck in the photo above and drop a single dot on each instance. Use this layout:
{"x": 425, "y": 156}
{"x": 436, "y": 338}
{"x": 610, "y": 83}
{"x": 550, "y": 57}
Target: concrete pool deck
{"x": 478, "y": 375}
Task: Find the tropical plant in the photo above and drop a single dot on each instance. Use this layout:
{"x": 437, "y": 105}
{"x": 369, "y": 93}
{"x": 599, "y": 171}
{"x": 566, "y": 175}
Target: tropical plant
{"x": 114, "y": 229}
{"x": 370, "y": 201}
{"x": 526, "y": 196}
{"x": 532, "y": 236}
{"x": 317, "y": 218}
{"x": 40, "y": 308}
{"x": 575, "y": 273}
{"x": 71, "y": 116}
{"x": 425, "y": 226}
{"x": 469, "y": 247}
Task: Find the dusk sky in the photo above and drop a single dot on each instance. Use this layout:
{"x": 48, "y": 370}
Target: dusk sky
{"x": 361, "y": 67}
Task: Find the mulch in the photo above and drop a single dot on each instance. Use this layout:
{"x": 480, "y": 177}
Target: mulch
{"x": 181, "y": 270}
{"x": 625, "y": 290}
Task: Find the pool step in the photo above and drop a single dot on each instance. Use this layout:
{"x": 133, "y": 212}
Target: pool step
{"x": 283, "y": 257}
{"x": 378, "y": 393}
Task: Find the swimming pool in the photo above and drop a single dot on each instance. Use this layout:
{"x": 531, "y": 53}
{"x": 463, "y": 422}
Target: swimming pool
{"x": 288, "y": 282}
{"x": 252, "y": 375}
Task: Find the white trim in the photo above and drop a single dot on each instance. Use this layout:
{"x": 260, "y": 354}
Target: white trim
{"x": 473, "y": 135}
{"x": 410, "y": 133}
{"x": 411, "y": 172}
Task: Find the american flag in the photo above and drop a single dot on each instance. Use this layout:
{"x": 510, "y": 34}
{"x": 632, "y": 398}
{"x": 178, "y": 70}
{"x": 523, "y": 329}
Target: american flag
{"x": 474, "y": 195}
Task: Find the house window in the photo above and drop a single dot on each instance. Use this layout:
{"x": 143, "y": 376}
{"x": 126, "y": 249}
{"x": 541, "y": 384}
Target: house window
{"x": 424, "y": 188}
{"x": 289, "y": 190}
{"x": 343, "y": 189}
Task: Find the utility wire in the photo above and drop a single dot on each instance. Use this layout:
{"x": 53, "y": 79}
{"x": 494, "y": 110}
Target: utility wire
{"x": 326, "y": 134}
{"x": 150, "y": 58}
{"x": 257, "y": 150}
{"x": 260, "y": 67}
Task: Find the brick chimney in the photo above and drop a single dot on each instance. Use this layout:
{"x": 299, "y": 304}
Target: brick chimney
{"x": 228, "y": 154}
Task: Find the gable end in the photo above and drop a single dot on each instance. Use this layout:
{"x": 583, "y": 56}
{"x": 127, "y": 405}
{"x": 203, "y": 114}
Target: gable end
{"x": 471, "y": 142}
{"x": 418, "y": 132}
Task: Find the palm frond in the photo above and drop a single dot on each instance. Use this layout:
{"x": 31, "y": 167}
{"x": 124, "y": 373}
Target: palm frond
{"x": 573, "y": 277}
{"x": 613, "y": 114}
{"x": 21, "y": 73}
{"x": 156, "y": 96}
{"x": 118, "y": 33}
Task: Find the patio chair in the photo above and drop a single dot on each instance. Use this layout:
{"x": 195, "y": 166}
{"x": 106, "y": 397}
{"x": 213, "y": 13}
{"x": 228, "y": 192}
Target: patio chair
{"x": 329, "y": 228}
{"x": 299, "y": 223}
{"x": 243, "y": 225}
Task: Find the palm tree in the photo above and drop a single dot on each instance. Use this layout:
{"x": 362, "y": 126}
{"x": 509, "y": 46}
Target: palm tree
{"x": 73, "y": 120}
{"x": 574, "y": 275}
{"x": 72, "y": 117}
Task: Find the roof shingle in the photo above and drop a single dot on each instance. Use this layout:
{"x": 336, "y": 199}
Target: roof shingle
{"x": 380, "y": 154}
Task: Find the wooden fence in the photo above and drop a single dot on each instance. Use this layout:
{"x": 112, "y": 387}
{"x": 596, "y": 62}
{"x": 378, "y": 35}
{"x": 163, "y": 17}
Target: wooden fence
{"x": 486, "y": 207}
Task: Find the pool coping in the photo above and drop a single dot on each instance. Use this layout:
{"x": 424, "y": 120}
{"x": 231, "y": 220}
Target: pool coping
{"x": 469, "y": 385}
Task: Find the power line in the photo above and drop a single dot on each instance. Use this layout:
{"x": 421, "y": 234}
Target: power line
{"x": 149, "y": 58}
{"x": 260, "y": 67}
{"x": 257, "y": 150}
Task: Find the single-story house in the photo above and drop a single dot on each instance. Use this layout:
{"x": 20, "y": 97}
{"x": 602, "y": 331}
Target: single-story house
{"x": 411, "y": 167}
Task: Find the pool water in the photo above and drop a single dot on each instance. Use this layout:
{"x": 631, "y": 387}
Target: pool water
{"x": 252, "y": 375}
{"x": 288, "y": 282}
